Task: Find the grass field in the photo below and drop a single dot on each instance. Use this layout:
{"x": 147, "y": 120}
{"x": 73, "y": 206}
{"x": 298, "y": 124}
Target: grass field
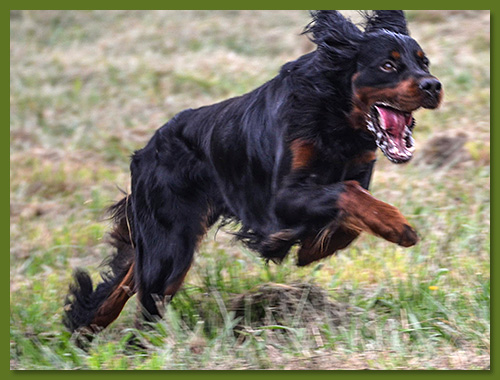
{"x": 88, "y": 88}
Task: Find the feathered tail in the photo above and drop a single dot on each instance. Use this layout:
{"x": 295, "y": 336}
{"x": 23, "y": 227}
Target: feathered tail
{"x": 94, "y": 309}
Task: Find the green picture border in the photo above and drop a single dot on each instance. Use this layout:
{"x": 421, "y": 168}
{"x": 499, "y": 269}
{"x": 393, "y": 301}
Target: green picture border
{"x": 493, "y": 6}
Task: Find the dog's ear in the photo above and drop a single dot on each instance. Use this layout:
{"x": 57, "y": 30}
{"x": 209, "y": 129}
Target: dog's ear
{"x": 394, "y": 21}
{"x": 335, "y": 35}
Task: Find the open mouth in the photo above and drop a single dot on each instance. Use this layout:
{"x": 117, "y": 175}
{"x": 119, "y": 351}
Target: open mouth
{"x": 392, "y": 129}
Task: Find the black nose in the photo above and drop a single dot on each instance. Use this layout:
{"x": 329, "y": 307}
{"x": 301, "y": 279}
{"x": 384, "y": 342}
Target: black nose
{"x": 431, "y": 86}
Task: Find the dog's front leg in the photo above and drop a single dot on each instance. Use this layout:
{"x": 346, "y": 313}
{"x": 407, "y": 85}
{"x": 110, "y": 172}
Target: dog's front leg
{"x": 360, "y": 211}
{"x": 335, "y": 215}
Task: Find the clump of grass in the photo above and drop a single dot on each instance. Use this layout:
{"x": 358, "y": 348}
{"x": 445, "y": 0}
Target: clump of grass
{"x": 275, "y": 306}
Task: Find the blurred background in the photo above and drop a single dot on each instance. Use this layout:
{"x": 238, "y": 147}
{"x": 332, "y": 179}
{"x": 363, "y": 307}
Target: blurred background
{"x": 87, "y": 88}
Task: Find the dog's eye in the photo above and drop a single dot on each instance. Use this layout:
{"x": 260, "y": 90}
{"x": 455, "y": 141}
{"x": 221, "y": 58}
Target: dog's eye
{"x": 388, "y": 67}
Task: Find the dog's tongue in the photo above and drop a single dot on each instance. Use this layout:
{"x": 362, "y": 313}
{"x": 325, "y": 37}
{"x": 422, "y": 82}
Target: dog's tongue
{"x": 394, "y": 122}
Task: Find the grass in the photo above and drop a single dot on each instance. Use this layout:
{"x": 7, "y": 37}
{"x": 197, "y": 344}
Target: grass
{"x": 88, "y": 88}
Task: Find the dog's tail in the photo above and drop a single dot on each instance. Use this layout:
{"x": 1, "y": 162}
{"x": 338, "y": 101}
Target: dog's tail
{"x": 93, "y": 309}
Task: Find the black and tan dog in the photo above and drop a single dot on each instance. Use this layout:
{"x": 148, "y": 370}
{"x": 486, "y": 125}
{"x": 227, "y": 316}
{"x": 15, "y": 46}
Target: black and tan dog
{"x": 290, "y": 161}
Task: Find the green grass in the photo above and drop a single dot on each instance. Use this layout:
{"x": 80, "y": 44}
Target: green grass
{"x": 88, "y": 88}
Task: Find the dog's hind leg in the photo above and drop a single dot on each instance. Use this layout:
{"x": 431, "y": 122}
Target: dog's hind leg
{"x": 173, "y": 205}
{"x": 171, "y": 215}
{"x": 164, "y": 253}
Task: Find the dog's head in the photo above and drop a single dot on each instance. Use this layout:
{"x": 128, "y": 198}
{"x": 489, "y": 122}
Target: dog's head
{"x": 388, "y": 71}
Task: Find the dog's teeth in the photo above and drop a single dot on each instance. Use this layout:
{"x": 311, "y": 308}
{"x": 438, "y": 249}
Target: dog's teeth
{"x": 411, "y": 148}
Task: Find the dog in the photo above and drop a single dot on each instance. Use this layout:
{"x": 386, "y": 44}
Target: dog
{"x": 291, "y": 162}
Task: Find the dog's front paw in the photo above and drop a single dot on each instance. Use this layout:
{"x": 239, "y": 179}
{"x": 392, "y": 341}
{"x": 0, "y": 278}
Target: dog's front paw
{"x": 393, "y": 227}
{"x": 408, "y": 236}
{"x": 362, "y": 212}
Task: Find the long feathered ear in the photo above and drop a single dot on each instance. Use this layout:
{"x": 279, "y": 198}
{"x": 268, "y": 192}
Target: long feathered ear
{"x": 394, "y": 21}
{"x": 335, "y": 35}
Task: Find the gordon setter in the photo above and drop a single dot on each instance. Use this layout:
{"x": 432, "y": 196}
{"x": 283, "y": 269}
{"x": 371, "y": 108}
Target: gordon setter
{"x": 290, "y": 161}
